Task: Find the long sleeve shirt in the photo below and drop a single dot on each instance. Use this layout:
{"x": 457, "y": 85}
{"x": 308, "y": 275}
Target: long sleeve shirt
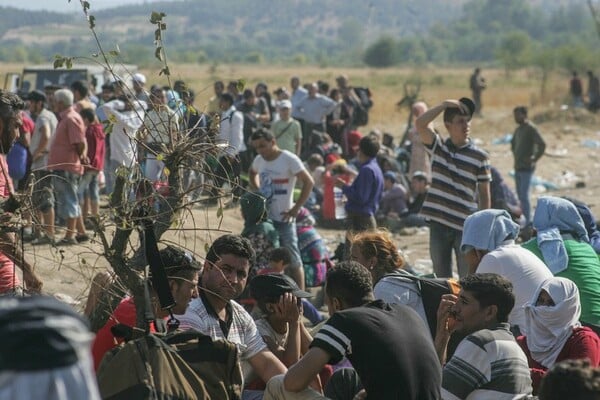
{"x": 364, "y": 194}
{"x": 527, "y": 146}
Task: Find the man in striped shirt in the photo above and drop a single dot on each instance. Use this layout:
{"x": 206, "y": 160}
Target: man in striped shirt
{"x": 488, "y": 363}
{"x": 460, "y": 183}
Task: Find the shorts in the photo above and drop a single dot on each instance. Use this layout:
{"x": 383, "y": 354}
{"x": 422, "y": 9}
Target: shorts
{"x": 65, "y": 187}
{"x": 88, "y": 186}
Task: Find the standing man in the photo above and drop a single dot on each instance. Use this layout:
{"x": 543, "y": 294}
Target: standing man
{"x": 43, "y": 193}
{"x": 216, "y": 314}
{"x": 388, "y": 345}
{"x": 313, "y": 109}
{"x": 231, "y": 135}
{"x": 213, "y": 106}
{"x": 527, "y": 147}
{"x": 139, "y": 81}
{"x": 593, "y": 92}
{"x": 68, "y": 154}
{"x": 364, "y": 194}
{"x": 460, "y": 179}
{"x": 477, "y": 85}
{"x": 298, "y": 94}
{"x": 274, "y": 172}
{"x": 488, "y": 363}
{"x": 576, "y": 90}
{"x": 287, "y": 131}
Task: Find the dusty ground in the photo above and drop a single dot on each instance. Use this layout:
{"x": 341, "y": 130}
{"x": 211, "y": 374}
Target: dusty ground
{"x": 67, "y": 271}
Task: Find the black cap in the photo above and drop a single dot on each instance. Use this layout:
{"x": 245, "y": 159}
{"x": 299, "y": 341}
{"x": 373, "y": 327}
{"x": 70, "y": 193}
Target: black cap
{"x": 175, "y": 260}
{"x": 272, "y": 286}
{"x": 36, "y": 95}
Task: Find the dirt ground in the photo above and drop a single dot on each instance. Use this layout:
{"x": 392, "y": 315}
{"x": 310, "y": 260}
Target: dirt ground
{"x": 67, "y": 271}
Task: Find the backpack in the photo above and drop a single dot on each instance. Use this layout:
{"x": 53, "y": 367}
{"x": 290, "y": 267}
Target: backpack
{"x": 148, "y": 368}
{"x": 360, "y": 115}
{"x": 431, "y": 290}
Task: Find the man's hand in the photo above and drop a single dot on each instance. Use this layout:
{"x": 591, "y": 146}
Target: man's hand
{"x": 445, "y": 316}
{"x": 450, "y": 103}
{"x": 288, "y": 308}
{"x": 290, "y": 214}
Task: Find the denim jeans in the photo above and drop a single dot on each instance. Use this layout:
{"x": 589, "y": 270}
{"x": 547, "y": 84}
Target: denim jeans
{"x": 88, "y": 186}
{"x": 65, "y": 186}
{"x": 288, "y": 237}
{"x": 523, "y": 183}
{"x": 442, "y": 240}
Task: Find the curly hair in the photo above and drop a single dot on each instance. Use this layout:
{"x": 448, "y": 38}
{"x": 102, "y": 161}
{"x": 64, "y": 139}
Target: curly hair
{"x": 571, "y": 379}
{"x": 10, "y": 106}
{"x": 350, "y": 282}
{"x": 379, "y": 244}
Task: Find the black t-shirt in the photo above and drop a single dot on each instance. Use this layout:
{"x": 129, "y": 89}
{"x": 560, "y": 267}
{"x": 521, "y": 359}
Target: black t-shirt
{"x": 389, "y": 346}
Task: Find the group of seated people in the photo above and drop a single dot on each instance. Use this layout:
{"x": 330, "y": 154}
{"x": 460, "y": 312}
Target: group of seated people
{"x": 523, "y": 313}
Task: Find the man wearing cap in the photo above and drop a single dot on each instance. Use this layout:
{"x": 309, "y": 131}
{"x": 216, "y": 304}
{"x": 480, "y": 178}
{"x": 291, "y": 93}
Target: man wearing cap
{"x": 217, "y": 315}
{"x": 139, "y": 80}
{"x": 488, "y": 243}
{"x": 388, "y": 345}
{"x": 287, "y": 131}
{"x": 460, "y": 181}
{"x": 279, "y": 299}
{"x": 43, "y": 194}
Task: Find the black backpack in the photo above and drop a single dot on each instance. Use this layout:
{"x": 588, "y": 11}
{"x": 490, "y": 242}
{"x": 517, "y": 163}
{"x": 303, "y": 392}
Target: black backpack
{"x": 360, "y": 115}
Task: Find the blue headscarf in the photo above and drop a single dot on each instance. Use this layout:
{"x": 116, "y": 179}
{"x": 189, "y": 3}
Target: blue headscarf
{"x": 488, "y": 230}
{"x": 554, "y": 217}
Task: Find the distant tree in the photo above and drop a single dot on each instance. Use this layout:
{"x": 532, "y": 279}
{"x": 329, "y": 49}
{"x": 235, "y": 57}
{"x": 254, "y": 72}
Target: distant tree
{"x": 382, "y": 53}
{"x": 514, "y": 50}
{"x": 350, "y": 34}
{"x": 545, "y": 59}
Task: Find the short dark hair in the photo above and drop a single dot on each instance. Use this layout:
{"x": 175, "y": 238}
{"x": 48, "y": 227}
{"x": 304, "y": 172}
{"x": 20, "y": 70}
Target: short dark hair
{"x": 231, "y": 244}
{"x": 281, "y": 254}
{"x": 88, "y": 114}
{"x": 248, "y": 94}
{"x": 491, "y": 289}
{"x": 521, "y": 110}
{"x": 369, "y": 146}
{"x": 571, "y": 379}
{"x": 262, "y": 134}
{"x": 350, "y": 282}
{"x": 227, "y": 97}
{"x": 451, "y": 112}
{"x": 80, "y": 87}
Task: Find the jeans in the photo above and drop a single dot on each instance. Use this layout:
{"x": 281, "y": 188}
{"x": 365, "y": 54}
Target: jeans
{"x": 288, "y": 237}
{"x": 442, "y": 240}
{"x": 523, "y": 183}
{"x": 88, "y": 186}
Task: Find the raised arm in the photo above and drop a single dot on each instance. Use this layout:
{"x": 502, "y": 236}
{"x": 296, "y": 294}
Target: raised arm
{"x": 424, "y": 123}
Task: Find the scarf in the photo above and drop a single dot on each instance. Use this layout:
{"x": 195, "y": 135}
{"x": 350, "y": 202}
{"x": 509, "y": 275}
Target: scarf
{"x": 554, "y": 216}
{"x": 549, "y": 327}
{"x": 488, "y": 230}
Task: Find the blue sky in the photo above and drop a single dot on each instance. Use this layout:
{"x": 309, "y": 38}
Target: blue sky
{"x": 65, "y": 6}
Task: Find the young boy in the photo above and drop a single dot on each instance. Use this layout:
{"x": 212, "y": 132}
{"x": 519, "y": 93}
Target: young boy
{"x": 279, "y": 261}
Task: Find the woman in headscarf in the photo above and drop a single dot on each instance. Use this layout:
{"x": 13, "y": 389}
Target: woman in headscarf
{"x": 553, "y": 330}
{"x": 562, "y": 243}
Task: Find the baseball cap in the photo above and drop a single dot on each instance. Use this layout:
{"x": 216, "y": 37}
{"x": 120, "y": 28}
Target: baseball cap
{"x": 36, "y": 95}
{"x": 390, "y": 175}
{"x": 272, "y": 286}
{"x": 139, "y": 78}
{"x": 175, "y": 259}
{"x": 285, "y": 104}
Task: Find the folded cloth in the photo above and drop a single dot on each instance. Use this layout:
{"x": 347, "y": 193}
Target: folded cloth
{"x": 488, "y": 230}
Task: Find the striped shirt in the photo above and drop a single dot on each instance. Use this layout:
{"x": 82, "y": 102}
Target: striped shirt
{"x": 455, "y": 172}
{"x": 241, "y": 329}
{"x": 488, "y": 364}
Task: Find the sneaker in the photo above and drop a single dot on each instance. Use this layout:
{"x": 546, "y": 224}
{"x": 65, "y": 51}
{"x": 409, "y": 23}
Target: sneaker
{"x": 42, "y": 240}
{"x": 82, "y": 238}
{"x": 66, "y": 241}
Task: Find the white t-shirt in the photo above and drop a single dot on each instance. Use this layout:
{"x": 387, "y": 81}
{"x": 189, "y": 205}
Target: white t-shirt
{"x": 45, "y": 117}
{"x": 523, "y": 269}
{"x": 277, "y": 180}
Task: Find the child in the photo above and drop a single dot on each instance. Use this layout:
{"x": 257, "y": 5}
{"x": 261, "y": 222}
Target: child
{"x": 279, "y": 260}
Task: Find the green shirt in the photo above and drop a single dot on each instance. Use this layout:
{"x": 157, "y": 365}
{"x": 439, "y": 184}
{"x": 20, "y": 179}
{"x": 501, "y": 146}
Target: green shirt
{"x": 527, "y": 146}
{"x": 584, "y": 270}
{"x": 287, "y": 133}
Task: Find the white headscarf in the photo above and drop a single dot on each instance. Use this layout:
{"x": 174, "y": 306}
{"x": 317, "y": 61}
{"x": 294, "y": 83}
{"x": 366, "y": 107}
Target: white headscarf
{"x": 549, "y": 327}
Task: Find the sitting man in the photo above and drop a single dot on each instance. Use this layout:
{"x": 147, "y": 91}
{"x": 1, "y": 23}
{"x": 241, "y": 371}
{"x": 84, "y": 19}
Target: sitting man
{"x": 182, "y": 273}
{"x": 488, "y": 363}
{"x": 388, "y": 345}
{"x": 215, "y": 313}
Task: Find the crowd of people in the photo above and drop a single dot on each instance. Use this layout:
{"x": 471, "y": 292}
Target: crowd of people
{"x": 522, "y": 319}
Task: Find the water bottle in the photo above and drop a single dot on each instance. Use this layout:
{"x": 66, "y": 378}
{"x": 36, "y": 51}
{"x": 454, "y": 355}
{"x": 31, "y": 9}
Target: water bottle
{"x": 338, "y": 197}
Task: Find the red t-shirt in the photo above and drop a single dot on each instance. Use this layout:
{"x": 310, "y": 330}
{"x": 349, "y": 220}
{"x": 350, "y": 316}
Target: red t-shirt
{"x": 583, "y": 343}
{"x": 94, "y": 135}
{"x": 105, "y": 341}
{"x": 70, "y": 131}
